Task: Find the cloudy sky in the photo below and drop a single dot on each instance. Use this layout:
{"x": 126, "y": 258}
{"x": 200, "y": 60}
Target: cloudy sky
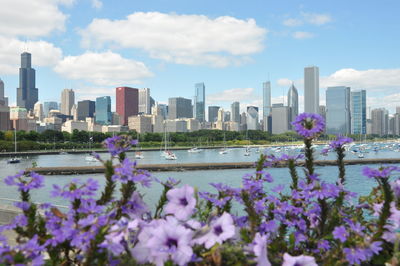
{"x": 94, "y": 46}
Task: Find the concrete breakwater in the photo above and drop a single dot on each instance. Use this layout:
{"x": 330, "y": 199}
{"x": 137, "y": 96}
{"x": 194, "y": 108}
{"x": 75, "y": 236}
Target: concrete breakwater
{"x": 77, "y": 170}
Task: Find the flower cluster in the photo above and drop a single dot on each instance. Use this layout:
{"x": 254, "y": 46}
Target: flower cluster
{"x": 309, "y": 125}
{"x": 308, "y": 222}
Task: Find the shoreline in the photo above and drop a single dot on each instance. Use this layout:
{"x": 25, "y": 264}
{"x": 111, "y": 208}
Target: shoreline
{"x": 80, "y": 170}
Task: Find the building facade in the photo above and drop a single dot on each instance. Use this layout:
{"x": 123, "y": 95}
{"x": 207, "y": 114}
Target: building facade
{"x": 86, "y": 109}
{"x": 127, "y": 103}
{"x": 338, "y": 115}
{"x": 140, "y": 123}
{"x": 200, "y": 102}
{"x": 67, "y": 101}
{"x": 235, "y": 112}
{"x": 103, "y": 110}
{"x": 266, "y": 104}
{"x": 379, "y": 121}
{"x": 48, "y": 106}
{"x": 280, "y": 119}
{"x": 293, "y": 103}
{"x": 311, "y": 89}
{"x": 179, "y": 108}
{"x": 213, "y": 113}
{"x": 3, "y": 99}
{"x": 27, "y": 93}
{"x": 252, "y": 118}
{"x": 144, "y": 101}
{"x": 358, "y": 107}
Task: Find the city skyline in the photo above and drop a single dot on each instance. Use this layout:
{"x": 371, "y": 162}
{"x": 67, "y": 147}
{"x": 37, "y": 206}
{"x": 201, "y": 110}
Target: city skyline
{"x": 279, "y": 39}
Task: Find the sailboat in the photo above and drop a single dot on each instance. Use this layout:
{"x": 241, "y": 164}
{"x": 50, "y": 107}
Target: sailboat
{"x": 223, "y": 150}
{"x": 167, "y": 154}
{"x": 90, "y": 157}
{"x": 138, "y": 153}
{"x": 247, "y": 151}
{"x": 15, "y": 159}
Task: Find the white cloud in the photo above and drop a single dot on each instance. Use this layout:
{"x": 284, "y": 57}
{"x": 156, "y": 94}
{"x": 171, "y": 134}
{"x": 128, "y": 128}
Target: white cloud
{"x": 97, "y": 4}
{"x": 284, "y": 82}
{"x": 292, "y": 22}
{"x": 33, "y": 18}
{"x": 182, "y": 39}
{"x": 232, "y": 95}
{"x": 104, "y": 69}
{"x": 43, "y": 54}
{"x": 302, "y": 35}
{"x": 372, "y": 79}
{"x": 316, "y": 19}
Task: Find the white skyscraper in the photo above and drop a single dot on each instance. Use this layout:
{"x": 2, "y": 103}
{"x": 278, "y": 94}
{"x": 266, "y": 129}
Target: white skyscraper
{"x": 67, "y": 101}
{"x": 3, "y": 100}
{"x": 311, "y": 89}
{"x": 293, "y": 103}
{"x": 38, "y": 111}
{"x": 266, "y": 103}
{"x": 144, "y": 101}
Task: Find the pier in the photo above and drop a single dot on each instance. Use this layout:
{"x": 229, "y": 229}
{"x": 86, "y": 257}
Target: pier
{"x": 81, "y": 170}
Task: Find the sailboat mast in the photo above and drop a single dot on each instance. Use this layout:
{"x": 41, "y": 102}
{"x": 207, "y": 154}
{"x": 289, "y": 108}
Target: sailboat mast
{"x": 15, "y": 140}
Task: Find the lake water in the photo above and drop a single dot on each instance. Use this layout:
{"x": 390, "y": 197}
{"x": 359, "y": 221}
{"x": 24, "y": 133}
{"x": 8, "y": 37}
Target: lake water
{"x": 200, "y": 179}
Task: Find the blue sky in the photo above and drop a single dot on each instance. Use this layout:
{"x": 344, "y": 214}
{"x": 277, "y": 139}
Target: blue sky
{"x": 94, "y": 46}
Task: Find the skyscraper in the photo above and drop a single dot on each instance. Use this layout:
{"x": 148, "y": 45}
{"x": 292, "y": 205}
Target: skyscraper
{"x": 3, "y": 99}
{"x": 311, "y": 89}
{"x": 86, "y": 109}
{"x": 103, "y": 110}
{"x": 127, "y": 102}
{"x": 235, "y": 112}
{"x": 266, "y": 104}
{"x": 38, "y": 111}
{"x": 199, "y": 102}
{"x": 380, "y": 121}
{"x": 48, "y": 106}
{"x": 252, "y": 117}
{"x": 27, "y": 93}
{"x": 144, "y": 101}
{"x": 179, "y": 108}
{"x": 293, "y": 103}
{"x": 67, "y": 101}
{"x": 213, "y": 113}
{"x": 358, "y": 107}
{"x": 338, "y": 110}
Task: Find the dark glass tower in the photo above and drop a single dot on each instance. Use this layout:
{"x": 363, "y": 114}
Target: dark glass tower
{"x": 199, "y": 102}
{"x": 27, "y": 94}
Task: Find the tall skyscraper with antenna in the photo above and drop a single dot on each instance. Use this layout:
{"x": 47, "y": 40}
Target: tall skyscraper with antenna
{"x": 293, "y": 103}
{"x": 27, "y": 93}
{"x": 266, "y": 105}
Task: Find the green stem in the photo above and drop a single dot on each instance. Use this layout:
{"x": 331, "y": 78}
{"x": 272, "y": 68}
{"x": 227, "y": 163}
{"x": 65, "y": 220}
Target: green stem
{"x": 340, "y": 163}
{"x": 309, "y": 158}
{"x": 161, "y": 202}
{"x": 107, "y": 194}
{"x": 385, "y": 212}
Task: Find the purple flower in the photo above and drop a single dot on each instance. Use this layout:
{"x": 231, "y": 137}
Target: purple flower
{"x": 339, "y": 142}
{"x": 268, "y": 226}
{"x": 309, "y": 125}
{"x": 76, "y": 189}
{"x": 260, "y": 249}
{"x": 382, "y": 172}
{"x": 181, "y": 202}
{"x": 135, "y": 208}
{"x": 323, "y": 245}
{"x": 301, "y": 260}
{"x": 127, "y": 171}
{"x": 167, "y": 239}
{"x": 396, "y": 188}
{"x": 25, "y": 182}
{"x": 356, "y": 255}
{"x": 119, "y": 144}
{"x": 340, "y": 233}
{"x": 219, "y": 230}
{"x": 118, "y": 235}
{"x": 218, "y": 202}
